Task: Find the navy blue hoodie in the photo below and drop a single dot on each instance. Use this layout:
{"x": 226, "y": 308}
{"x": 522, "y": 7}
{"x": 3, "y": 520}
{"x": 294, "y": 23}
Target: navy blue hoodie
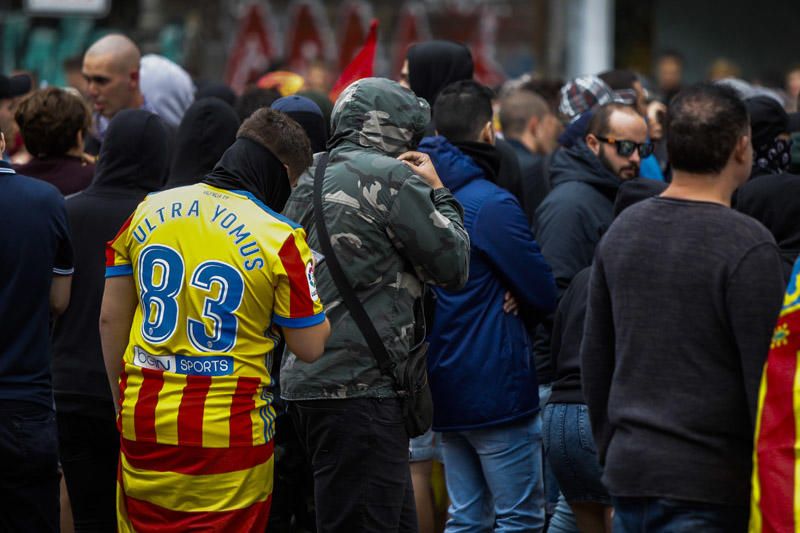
{"x": 480, "y": 366}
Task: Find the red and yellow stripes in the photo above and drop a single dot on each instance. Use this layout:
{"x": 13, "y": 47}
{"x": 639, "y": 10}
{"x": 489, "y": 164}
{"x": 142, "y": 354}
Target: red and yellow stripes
{"x": 188, "y": 410}
{"x": 175, "y": 488}
{"x": 775, "y": 502}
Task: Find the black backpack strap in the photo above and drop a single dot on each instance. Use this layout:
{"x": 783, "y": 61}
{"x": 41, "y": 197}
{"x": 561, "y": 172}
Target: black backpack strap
{"x": 357, "y": 311}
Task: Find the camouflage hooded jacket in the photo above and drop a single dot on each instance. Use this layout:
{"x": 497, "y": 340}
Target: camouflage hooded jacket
{"x": 391, "y": 232}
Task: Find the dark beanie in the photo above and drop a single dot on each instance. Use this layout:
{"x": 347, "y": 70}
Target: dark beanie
{"x": 306, "y": 113}
{"x": 768, "y": 119}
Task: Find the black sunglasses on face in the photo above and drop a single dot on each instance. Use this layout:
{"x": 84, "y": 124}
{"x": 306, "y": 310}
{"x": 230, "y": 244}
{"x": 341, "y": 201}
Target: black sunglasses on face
{"x": 626, "y": 148}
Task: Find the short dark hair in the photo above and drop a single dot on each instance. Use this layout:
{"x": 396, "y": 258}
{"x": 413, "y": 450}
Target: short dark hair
{"x": 600, "y": 123}
{"x": 619, "y": 79}
{"x": 670, "y": 54}
{"x": 50, "y": 119}
{"x": 462, "y": 109}
{"x": 704, "y": 123}
{"x": 254, "y": 99}
{"x": 282, "y": 136}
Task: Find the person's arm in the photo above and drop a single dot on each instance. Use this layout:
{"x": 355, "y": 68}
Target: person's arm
{"x": 597, "y": 358}
{"x": 60, "y": 289}
{"x": 426, "y": 225}
{"x": 501, "y": 233}
{"x": 753, "y": 298}
{"x": 297, "y": 309}
{"x": 567, "y": 236}
{"x": 116, "y": 317}
{"x": 308, "y": 344}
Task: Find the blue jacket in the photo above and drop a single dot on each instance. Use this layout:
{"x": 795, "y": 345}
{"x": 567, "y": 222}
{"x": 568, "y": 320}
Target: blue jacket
{"x": 480, "y": 365}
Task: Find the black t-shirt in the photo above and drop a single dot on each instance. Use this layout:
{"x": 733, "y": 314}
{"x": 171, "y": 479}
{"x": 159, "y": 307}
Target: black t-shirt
{"x": 683, "y": 300}
{"x": 34, "y": 246}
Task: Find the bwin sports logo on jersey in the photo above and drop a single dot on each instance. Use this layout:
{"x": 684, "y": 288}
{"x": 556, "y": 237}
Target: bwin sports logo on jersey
{"x": 312, "y": 281}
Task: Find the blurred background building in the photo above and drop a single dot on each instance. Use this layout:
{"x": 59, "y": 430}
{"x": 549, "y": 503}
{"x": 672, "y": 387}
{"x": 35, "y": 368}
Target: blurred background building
{"x": 213, "y": 39}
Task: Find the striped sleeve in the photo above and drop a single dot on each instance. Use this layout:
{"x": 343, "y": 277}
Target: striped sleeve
{"x": 118, "y": 261}
{"x": 297, "y": 303}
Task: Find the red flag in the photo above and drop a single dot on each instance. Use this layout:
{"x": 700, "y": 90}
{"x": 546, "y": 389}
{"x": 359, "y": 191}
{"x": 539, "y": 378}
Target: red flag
{"x": 362, "y": 64}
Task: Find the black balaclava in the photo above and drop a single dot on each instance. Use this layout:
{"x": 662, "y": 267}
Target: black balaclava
{"x": 250, "y": 166}
{"x": 433, "y": 65}
{"x": 134, "y": 156}
{"x": 208, "y": 128}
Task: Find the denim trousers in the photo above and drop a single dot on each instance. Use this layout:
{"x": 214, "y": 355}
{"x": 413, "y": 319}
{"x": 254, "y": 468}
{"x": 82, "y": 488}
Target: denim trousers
{"x": 494, "y": 478}
{"x": 358, "y": 449}
{"x": 662, "y": 515}
{"x": 570, "y": 450}
{"x": 29, "y": 492}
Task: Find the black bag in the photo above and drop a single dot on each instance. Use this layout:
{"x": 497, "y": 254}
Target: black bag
{"x": 411, "y": 382}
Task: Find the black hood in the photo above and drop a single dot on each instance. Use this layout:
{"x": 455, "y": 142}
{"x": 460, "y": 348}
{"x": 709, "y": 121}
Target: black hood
{"x": 133, "y": 158}
{"x": 216, "y": 89}
{"x": 208, "y": 128}
{"x": 249, "y": 166}
{"x": 580, "y": 164}
{"x": 434, "y": 65}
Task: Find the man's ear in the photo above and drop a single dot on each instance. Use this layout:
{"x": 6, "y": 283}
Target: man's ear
{"x": 743, "y": 147}
{"x": 532, "y": 125}
{"x": 593, "y": 143}
{"x": 134, "y": 77}
{"x": 487, "y": 133}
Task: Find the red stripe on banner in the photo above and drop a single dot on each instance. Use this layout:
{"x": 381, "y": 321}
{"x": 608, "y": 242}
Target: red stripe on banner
{"x": 300, "y": 303}
{"x": 243, "y": 403}
{"x": 777, "y": 435}
{"x": 123, "y": 384}
{"x": 146, "y": 516}
{"x": 109, "y": 250}
{"x": 193, "y": 460}
{"x": 144, "y": 415}
{"x": 190, "y": 412}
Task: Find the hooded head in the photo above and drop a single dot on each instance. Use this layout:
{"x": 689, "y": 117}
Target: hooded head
{"x": 379, "y": 114}
{"x": 769, "y": 124}
{"x": 434, "y": 65}
{"x": 216, "y": 89}
{"x": 166, "y": 87}
{"x": 308, "y": 114}
{"x": 269, "y": 154}
{"x": 133, "y": 157}
{"x": 206, "y": 131}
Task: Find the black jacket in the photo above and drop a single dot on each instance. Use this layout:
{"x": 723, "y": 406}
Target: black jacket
{"x": 535, "y": 180}
{"x": 774, "y": 200}
{"x": 566, "y": 341}
{"x": 576, "y": 213}
{"x": 133, "y": 162}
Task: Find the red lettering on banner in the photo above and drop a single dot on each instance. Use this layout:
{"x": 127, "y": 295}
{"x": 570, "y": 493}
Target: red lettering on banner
{"x": 252, "y": 49}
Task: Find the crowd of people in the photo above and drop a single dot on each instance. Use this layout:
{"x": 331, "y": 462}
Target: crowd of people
{"x": 271, "y": 311}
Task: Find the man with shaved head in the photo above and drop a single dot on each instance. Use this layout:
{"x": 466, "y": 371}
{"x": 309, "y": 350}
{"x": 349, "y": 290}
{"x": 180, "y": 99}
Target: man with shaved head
{"x": 111, "y": 70}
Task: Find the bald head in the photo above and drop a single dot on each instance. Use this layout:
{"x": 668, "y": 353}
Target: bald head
{"x": 111, "y": 69}
{"x": 123, "y": 52}
{"x": 517, "y": 109}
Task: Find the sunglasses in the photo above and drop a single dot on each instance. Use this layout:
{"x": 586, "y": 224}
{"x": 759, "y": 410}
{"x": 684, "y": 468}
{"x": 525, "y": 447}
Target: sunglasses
{"x": 626, "y": 148}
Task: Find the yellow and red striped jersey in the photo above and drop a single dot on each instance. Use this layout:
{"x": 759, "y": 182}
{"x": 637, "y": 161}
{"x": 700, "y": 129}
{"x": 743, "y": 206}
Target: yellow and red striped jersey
{"x": 215, "y": 270}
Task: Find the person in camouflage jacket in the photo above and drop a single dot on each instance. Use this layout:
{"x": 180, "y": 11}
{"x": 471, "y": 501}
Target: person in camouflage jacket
{"x": 394, "y": 228}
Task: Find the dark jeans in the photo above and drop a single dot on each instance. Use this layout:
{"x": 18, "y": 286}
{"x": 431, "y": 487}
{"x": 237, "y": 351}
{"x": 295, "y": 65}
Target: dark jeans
{"x": 661, "y": 515}
{"x": 89, "y": 448}
{"x": 358, "y": 450}
{"x": 28, "y": 467}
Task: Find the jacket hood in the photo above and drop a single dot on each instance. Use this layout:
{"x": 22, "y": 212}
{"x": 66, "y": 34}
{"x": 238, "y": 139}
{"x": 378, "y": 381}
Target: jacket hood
{"x": 454, "y": 167}
{"x": 133, "y": 157}
{"x": 580, "y": 164}
{"x": 207, "y": 130}
{"x": 167, "y": 88}
{"x": 433, "y": 65}
{"x": 379, "y": 114}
